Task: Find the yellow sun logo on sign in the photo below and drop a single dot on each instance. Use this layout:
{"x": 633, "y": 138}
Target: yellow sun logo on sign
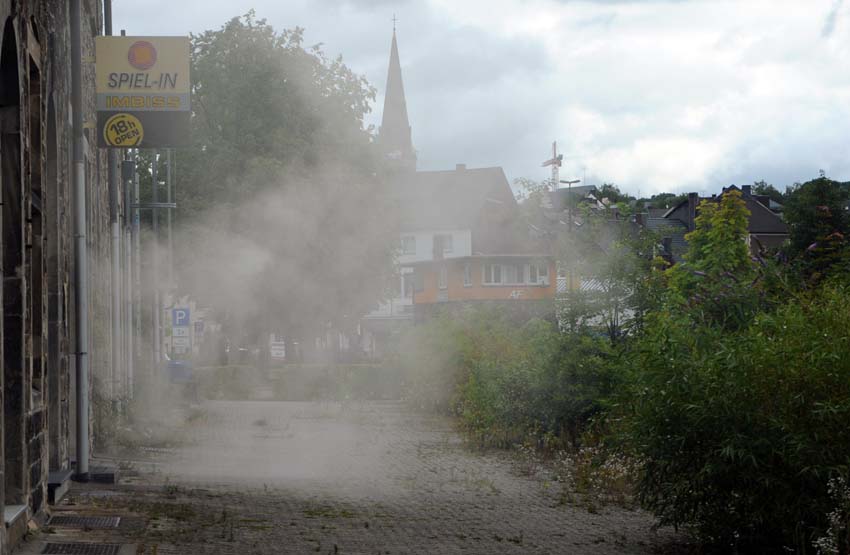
{"x": 123, "y": 130}
{"x": 142, "y": 55}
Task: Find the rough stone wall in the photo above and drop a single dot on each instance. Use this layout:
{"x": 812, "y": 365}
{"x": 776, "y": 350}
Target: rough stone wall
{"x": 38, "y": 247}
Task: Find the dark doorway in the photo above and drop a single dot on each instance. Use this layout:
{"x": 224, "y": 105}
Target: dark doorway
{"x": 13, "y": 271}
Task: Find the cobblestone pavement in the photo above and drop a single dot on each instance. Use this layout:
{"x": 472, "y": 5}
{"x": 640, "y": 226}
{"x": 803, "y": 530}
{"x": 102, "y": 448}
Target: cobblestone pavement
{"x": 288, "y": 477}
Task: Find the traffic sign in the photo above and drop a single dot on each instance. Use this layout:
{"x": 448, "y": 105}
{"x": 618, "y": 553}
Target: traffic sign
{"x": 180, "y": 317}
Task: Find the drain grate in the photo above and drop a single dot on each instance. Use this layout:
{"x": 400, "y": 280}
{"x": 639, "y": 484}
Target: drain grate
{"x": 85, "y": 522}
{"x": 81, "y": 549}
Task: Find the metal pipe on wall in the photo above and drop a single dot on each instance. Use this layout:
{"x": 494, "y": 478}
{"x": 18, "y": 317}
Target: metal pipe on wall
{"x": 115, "y": 253}
{"x": 81, "y": 249}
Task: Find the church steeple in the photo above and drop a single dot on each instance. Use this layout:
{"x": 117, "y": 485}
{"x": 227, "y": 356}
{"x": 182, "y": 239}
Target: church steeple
{"x": 394, "y": 137}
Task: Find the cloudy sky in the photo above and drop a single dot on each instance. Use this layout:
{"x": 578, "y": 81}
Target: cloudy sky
{"x": 652, "y": 95}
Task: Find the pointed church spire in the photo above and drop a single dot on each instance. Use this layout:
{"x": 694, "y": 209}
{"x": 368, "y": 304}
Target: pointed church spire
{"x": 395, "y": 134}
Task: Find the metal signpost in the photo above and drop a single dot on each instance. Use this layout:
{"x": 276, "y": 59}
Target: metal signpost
{"x": 181, "y": 331}
{"x": 143, "y": 91}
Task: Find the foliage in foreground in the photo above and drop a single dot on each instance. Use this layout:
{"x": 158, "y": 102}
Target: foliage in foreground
{"x": 726, "y": 400}
{"x": 741, "y": 432}
{"x": 508, "y": 381}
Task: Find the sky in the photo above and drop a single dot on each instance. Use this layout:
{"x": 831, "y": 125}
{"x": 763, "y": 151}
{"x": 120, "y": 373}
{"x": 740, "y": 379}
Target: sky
{"x": 651, "y": 95}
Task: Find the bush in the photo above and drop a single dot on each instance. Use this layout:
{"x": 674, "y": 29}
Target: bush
{"x": 741, "y": 432}
{"x": 509, "y": 381}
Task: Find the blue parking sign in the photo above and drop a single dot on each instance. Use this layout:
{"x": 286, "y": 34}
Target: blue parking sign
{"x": 180, "y": 317}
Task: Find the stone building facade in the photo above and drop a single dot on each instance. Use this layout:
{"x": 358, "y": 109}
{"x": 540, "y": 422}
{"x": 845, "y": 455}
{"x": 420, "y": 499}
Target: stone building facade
{"x": 38, "y": 350}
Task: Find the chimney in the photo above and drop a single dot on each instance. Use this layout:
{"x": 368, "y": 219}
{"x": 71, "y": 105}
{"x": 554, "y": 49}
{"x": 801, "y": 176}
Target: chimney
{"x": 693, "y": 200}
{"x": 460, "y": 167}
{"x": 747, "y": 190}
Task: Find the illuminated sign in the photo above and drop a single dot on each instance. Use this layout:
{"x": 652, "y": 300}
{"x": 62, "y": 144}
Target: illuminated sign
{"x": 143, "y": 91}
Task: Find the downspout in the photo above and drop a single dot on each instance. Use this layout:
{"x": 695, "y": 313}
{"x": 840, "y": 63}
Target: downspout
{"x": 115, "y": 372}
{"x": 81, "y": 250}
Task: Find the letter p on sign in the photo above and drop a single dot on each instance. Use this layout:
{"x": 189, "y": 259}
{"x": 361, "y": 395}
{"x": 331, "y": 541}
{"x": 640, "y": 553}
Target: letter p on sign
{"x": 180, "y": 317}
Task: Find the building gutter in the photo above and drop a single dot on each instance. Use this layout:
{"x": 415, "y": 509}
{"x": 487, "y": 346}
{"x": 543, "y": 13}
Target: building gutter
{"x": 81, "y": 248}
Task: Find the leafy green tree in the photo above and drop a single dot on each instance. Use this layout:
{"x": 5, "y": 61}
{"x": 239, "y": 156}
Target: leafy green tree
{"x": 739, "y": 433}
{"x": 664, "y": 200}
{"x": 814, "y": 211}
{"x": 768, "y": 190}
{"x": 716, "y": 277}
{"x": 286, "y": 224}
{"x": 613, "y": 194}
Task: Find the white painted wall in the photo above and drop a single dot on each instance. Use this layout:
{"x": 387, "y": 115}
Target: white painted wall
{"x": 461, "y": 245}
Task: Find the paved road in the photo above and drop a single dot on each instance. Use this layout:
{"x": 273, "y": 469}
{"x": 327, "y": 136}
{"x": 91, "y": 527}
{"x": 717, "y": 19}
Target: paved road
{"x": 287, "y": 477}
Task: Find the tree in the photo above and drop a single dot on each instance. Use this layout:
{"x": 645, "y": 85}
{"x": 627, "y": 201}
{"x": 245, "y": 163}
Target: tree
{"x": 715, "y": 279}
{"x": 814, "y": 211}
{"x": 766, "y": 189}
{"x": 285, "y": 220}
{"x": 664, "y": 200}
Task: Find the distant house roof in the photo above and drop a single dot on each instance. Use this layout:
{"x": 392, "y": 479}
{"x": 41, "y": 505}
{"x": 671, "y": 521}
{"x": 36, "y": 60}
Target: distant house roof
{"x": 480, "y": 200}
{"x": 561, "y": 197}
{"x": 675, "y": 230}
{"x": 451, "y": 199}
{"x": 762, "y": 219}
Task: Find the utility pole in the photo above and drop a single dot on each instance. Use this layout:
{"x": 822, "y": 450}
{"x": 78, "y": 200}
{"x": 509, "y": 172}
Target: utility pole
{"x": 129, "y": 177}
{"x": 157, "y": 343}
{"x": 570, "y": 223}
{"x": 169, "y": 183}
{"x": 135, "y": 233}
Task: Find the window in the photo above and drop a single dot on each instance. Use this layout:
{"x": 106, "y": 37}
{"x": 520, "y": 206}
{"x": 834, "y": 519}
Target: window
{"x": 492, "y": 274}
{"x": 443, "y": 279}
{"x": 542, "y": 274}
{"x": 467, "y": 275}
{"x": 514, "y": 274}
{"x": 408, "y": 244}
{"x": 538, "y": 274}
{"x": 446, "y": 241}
{"x": 407, "y": 283}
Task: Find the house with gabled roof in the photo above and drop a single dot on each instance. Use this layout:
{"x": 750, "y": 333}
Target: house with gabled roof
{"x": 461, "y": 239}
{"x": 767, "y": 229}
{"x": 471, "y": 244}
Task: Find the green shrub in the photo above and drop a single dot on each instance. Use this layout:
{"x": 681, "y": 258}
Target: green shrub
{"x": 509, "y": 382}
{"x": 740, "y": 432}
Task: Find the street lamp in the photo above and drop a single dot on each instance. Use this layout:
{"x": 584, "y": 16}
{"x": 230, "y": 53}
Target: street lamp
{"x": 570, "y": 199}
{"x": 570, "y": 222}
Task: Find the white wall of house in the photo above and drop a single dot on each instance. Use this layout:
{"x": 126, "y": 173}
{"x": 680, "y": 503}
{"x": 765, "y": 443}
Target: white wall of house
{"x": 423, "y": 243}
{"x": 419, "y": 247}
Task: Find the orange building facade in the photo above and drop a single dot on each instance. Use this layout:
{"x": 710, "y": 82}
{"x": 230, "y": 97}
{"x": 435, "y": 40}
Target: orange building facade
{"x": 485, "y": 278}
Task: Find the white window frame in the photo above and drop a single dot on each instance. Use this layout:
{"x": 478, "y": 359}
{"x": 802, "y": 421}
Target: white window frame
{"x": 443, "y": 277}
{"x": 527, "y": 274}
{"x": 408, "y": 285}
{"x": 404, "y": 244}
{"x": 467, "y": 275}
{"x": 446, "y": 241}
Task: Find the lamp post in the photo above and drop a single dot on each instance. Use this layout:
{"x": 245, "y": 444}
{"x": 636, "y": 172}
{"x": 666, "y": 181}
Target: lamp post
{"x": 570, "y": 184}
{"x": 570, "y": 224}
